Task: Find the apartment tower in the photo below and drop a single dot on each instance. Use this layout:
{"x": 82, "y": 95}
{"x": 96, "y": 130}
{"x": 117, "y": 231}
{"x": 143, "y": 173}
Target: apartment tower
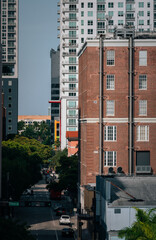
{"x": 86, "y": 19}
{"x": 9, "y": 41}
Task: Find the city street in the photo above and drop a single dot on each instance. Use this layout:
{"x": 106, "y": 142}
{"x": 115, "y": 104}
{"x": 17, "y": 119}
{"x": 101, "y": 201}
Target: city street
{"x": 43, "y": 222}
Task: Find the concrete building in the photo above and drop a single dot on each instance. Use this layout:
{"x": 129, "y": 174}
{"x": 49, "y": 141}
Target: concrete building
{"x": 117, "y": 102}
{"x": 9, "y": 40}
{"x": 116, "y": 199}
{"x": 55, "y": 90}
{"x": 30, "y": 119}
{"x": 81, "y": 20}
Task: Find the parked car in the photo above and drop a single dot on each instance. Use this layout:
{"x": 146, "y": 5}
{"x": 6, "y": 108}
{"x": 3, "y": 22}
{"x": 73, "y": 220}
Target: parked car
{"x": 60, "y": 211}
{"x": 67, "y": 232}
{"x": 65, "y": 219}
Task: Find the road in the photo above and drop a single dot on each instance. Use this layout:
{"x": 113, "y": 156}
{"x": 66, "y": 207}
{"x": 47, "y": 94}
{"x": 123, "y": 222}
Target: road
{"x": 43, "y": 222}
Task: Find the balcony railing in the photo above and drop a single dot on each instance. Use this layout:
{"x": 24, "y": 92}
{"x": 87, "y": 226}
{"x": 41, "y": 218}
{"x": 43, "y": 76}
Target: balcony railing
{"x": 67, "y": 28}
{"x": 69, "y": 10}
{"x": 69, "y": 63}
{"x": 70, "y": 45}
{"x": 66, "y": 80}
{"x": 70, "y": 1}
{"x": 67, "y": 89}
{"x": 70, "y": 37}
{"x": 65, "y": 54}
{"x": 69, "y": 19}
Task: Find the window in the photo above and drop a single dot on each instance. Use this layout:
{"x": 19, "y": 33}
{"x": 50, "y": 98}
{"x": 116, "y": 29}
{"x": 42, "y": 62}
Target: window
{"x": 72, "y": 34}
{"x": 110, "y": 13}
{"x": 82, "y": 22}
{"x": 110, "y": 5}
{"x": 141, "y": 22}
{"x": 148, "y": 22}
{"x": 142, "y": 133}
{"x": 82, "y": 13}
{"x": 142, "y": 107}
{"x": 72, "y": 59}
{"x": 148, "y": 4}
{"x": 100, "y": 15}
{"x": 72, "y": 51}
{"x": 101, "y": 25}
{"x": 129, "y": 7}
{"x": 142, "y": 82}
{"x": 111, "y": 57}
{"x": 120, "y": 14}
{"x": 101, "y": 7}
{"x": 120, "y": 4}
{"x": 9, "y": 83}
{"x": 72, "y": 104}
{"x": 72, "y": 86}
{"x": 72, "y": 78}
{"x": 72, "y": 69}
{"x": 110, "y": 107}
{"x": 120, "y": 22}
{"x": 72, "y": 112}
{"x": 110, "y": 133}
{"x": 82, "y": 31}
{"x": 90, "y": 13}
{"x": 141, "y": 13}
{"x": 9, "y": 90}
{"x": 110, "y": 82}
{"x": 142, "y": 58}
{"x": 72, "y": 16}
{"x": 72, "y": 24}
{"x": 9, "y": 105}
{"x": 117, "y": 210}
{"x": 82, "y": 40}
{"x": 110, "y": 158}
{"x": 90, "y": 5}
{"x": 90, "y": 22}
{"x": 148, "y": 13}
{"x": 82, "y": 5}
{"x": 71, "y": 94}
{"x": 90, "y": 31}
{"x": 141, "y": 4}
{"x": 110, "y": 22}
{"x": 72, "y": 122}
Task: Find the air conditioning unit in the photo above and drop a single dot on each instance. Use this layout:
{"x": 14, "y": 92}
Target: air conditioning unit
{"x": 143, "y": 169}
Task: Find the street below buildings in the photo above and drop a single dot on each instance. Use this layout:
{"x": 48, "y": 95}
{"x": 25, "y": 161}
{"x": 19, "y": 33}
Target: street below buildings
{"x": 43, "y": 222}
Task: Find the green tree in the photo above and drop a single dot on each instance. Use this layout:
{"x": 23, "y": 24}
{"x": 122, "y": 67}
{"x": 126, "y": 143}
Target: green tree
{"x": 144, "y": 228}
{"x": 20, "y": 125}
{"x": 12, "y": 230}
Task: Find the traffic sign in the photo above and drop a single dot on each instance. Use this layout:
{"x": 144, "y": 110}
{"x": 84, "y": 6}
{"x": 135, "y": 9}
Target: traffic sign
{"x": 14, "y": 204}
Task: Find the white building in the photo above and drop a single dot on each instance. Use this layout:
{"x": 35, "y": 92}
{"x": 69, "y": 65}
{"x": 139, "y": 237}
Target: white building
{"x": 86, "y": 19}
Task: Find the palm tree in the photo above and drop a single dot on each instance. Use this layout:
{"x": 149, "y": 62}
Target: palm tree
{"x": 144, "y": 228}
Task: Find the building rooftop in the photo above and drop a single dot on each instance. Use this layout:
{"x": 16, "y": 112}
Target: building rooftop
{"x": 34, "y": 117}
{"x": 133, "y": 191}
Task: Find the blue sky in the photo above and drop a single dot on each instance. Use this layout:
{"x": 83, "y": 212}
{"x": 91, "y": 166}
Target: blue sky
{"x": 37, "y": 35}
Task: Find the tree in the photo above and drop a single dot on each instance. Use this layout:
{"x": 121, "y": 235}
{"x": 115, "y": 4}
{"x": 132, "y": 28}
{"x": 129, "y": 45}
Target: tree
{"x": 13, "y": 230}
{"x": 144, "y": 228}
{"x": 21, "y": 161}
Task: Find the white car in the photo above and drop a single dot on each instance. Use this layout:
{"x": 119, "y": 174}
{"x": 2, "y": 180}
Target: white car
{"x": 65, "y": 219}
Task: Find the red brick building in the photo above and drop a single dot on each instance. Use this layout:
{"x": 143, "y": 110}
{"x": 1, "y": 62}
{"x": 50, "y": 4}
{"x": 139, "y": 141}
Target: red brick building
{"x": 128, "y": 107}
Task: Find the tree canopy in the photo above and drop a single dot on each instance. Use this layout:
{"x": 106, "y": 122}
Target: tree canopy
{"x": 21, "y": 160}
{"x": 144, "y": 228}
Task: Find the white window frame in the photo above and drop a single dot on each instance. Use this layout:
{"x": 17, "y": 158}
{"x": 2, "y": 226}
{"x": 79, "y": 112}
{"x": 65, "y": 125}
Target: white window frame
{"x": 110, "y": 58}
{"x": 110, "y": 82}
{"x": 108, "y": 158}
{"x": 142, "y": 133}
{"x": 143, "y": 82}
{"x": 143, "y": 58}
{"x": 110, "y": 133}
{"x": 110, "y": 107}
{"x": 142, "y": 107}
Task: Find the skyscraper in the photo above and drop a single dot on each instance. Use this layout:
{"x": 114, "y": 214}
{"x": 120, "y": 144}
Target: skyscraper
{"x": 55, "y": 90}
{"x": 9, "y": 40}
{"x": 86, "y": 19}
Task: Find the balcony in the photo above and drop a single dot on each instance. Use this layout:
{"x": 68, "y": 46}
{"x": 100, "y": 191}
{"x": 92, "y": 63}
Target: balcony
{"x": 66, "y": 80}
{"x": 69, "y": 28}
{"x": 12, "y": 1}
{"x": 143, "y": 169}
{"x": 70, "y": 1}
{"x": 13, "y": 9}
{"x": 69, "y": 63}
{"x": 11, "y": 46}
{"x": 69, "y": 19}
{"x": 67, "y": 89}
{"x": 12, "y": 38}
{"x": 11, "y": 31}
{"x": 70, "y": 37}
{"x": 69, "y": 71}
{"x": 69, "y": 10}
{"x": 72, "y": 116}
{"x": 12, "y": 23}
{"x": 58, "y": 20}
{"x": 65, "y": 54}
{"x": 70, "y": 45}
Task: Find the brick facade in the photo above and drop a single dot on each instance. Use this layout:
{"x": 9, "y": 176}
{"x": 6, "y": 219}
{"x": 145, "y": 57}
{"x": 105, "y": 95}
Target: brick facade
{"x": 89, "y": 105}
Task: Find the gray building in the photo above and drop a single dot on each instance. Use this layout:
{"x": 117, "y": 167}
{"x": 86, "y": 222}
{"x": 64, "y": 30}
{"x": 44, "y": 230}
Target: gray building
{"x": 55, "y": 90}
{"x": 116, "y": 197}
{"x": 9, "y": 40}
